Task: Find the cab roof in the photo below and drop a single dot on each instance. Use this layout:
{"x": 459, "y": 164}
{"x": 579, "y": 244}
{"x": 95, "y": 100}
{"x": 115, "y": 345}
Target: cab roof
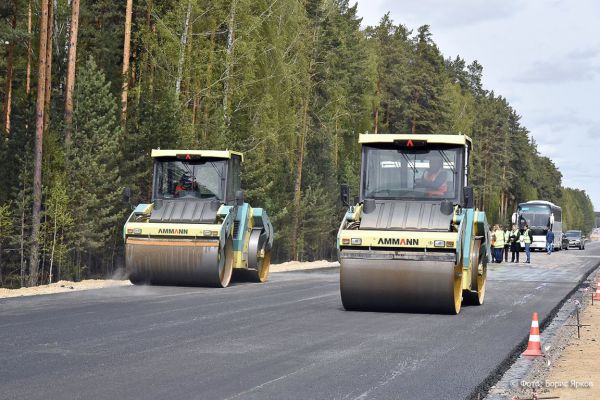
{"x": 224, "y": 154}
{"x": 391, "y": 138}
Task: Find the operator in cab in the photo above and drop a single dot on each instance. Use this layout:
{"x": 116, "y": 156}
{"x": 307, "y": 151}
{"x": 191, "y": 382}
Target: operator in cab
{"x": 434, "y": 179}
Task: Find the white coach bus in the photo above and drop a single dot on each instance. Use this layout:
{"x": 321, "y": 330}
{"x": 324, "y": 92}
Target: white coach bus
{"x": 540, "y": 215}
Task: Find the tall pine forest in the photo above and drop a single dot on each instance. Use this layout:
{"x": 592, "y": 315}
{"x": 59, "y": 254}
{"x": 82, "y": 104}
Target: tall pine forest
{"x": 89, "y": 87}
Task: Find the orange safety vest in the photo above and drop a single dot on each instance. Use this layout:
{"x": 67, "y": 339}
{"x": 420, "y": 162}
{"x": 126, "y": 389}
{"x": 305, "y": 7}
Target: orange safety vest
{"x": 442, "y": 190}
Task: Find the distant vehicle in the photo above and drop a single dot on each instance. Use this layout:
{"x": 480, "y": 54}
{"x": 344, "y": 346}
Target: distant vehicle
{"x": 564, "y": 242}
{"x": 595, "y": 234}
{"x": 540, "y": 215}
{"x": 576, "y": 239}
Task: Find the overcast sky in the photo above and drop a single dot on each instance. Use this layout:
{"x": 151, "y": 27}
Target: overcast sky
{"x": 542, "y": 55}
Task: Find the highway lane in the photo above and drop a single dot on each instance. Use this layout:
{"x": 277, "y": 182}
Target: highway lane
{"x": 286, "y": 339}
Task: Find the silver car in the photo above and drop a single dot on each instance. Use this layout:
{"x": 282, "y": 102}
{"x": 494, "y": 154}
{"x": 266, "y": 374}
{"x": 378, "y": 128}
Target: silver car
{"x": 576, "y": 239}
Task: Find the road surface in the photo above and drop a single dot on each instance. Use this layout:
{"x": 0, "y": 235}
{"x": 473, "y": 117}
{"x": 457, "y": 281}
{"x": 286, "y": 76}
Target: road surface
{"x": 287, "y": 339}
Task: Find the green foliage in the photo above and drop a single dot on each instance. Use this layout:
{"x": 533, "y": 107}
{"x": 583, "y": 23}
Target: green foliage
{"x": 93, "y": 178}
{"x": 578, "y": 211}
{"x": 291, "y": 84}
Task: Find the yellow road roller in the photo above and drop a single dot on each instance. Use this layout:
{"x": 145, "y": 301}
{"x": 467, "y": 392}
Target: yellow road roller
{"x": 197, "y": 230}
{"x": 413, "y": 242}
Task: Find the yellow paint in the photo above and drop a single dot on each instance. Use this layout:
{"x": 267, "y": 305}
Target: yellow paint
{"x": 388, "y": 138}
{"x": 148, "y": 209}
{"x": 372, "y": 238}
{"x": 226, "y": 154}
{"x": 357, "y": 212}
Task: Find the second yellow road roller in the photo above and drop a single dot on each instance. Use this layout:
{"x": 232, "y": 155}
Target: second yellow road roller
{"x": 413, "y": 241}
{"x": 198, "y": 229}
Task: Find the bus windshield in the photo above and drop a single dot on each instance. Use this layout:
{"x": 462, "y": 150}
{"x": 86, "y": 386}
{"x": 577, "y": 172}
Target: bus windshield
{"x": 201, "y": 179}
{"x": 391, "y": 173}
{"x": 536, "y": 216}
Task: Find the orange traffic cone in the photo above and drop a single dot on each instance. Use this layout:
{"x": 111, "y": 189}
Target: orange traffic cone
{"x": 597, "y": 295}
{"x": 534, "y": 347}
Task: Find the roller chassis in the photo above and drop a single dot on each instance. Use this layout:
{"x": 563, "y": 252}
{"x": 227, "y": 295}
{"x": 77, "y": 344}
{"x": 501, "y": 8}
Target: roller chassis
{"x": 395, "y": 263}
{"x": 197, "y": 241}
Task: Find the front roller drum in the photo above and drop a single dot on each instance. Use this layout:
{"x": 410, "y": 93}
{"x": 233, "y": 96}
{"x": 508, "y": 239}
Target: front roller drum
{"x": 186, "y": 262}
{"x": 400, "y": 285}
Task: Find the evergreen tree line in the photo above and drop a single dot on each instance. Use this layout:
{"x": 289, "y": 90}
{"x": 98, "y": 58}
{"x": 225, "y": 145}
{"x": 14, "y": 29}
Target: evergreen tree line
{"x": 89, "y": 89}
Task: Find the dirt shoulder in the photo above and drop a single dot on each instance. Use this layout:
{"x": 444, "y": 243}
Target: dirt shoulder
{"x": 576, "y": 373}
{"x": 63, "y": 286}
{"x": 68, "y": 286}
{"x": 299, "y": 266}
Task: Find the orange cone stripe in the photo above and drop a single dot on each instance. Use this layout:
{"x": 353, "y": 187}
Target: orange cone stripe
{"x": 534, "y": 346}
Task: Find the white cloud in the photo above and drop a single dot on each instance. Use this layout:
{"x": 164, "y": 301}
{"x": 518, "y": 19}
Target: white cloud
{"x": 454, "y": 13}
{"x": 559, "y": 71}
{"x": 542, "y": 55}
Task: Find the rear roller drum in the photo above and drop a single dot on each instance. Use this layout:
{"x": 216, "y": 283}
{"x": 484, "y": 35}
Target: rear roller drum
{"x": 476, "y": 295}
{"x": 226, "y": 263}
{"x": 259, "y": 259}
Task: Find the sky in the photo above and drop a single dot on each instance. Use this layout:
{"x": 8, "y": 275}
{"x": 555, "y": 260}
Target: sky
{"x": 542, "y": 55}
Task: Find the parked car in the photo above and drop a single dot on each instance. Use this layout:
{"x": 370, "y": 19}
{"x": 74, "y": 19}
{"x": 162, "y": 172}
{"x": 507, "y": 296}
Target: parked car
{"x": 576, "y": 239}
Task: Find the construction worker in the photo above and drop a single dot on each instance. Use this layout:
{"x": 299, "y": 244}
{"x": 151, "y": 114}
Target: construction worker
{"x": 515, "y": 244}
{"x": 499, "y": 243}
{"x": 527, "y": 238}
{"x": 506, "y": 243}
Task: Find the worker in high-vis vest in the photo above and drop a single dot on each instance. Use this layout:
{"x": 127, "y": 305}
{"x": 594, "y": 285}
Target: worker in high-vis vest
{"x": 499, "y": 243}
{"x": 527, "y": 238}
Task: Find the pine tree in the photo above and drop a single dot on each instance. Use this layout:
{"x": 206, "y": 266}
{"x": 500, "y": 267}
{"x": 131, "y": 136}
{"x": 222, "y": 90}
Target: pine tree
{"x": 426, "y": 109}
{"x": 93, "y": 163}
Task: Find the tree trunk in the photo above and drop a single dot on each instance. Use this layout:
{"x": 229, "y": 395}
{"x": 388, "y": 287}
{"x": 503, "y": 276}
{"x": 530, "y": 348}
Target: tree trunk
{"x": 71, "y": 71}
{"x": 48, "y": 89}
{"x": 228, "y": 65}
{"x": 376, "y": 122}
{"x": 22, "y": 241}
{"x": 298, "y": 181}
{"x": 39, "y": 135}
{"x": 53, "y": 240}
{"x": 1, "y": 278}
{"x": 126, "y": 53}
{"x": 6, "y": 107}
{"x": 208, "y": 81}
{"x": 29, "y": 28}
{"x": 184, "y": 38}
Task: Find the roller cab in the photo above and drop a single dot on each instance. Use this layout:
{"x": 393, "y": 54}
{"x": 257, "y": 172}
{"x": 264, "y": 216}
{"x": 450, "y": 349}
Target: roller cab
{"x": 197, "y": 230}
{"x": 413, "y": 241}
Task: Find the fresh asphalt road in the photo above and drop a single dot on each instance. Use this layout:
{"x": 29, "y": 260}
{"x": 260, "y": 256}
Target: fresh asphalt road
{"x": 287, "y": 339}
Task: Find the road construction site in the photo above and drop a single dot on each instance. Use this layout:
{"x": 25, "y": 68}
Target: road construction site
{"x": 288, "y": 338}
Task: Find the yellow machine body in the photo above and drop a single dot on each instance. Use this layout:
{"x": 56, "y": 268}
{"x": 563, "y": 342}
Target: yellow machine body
{"x": 403, "y": 247}
{"x": 196, "y": 231}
